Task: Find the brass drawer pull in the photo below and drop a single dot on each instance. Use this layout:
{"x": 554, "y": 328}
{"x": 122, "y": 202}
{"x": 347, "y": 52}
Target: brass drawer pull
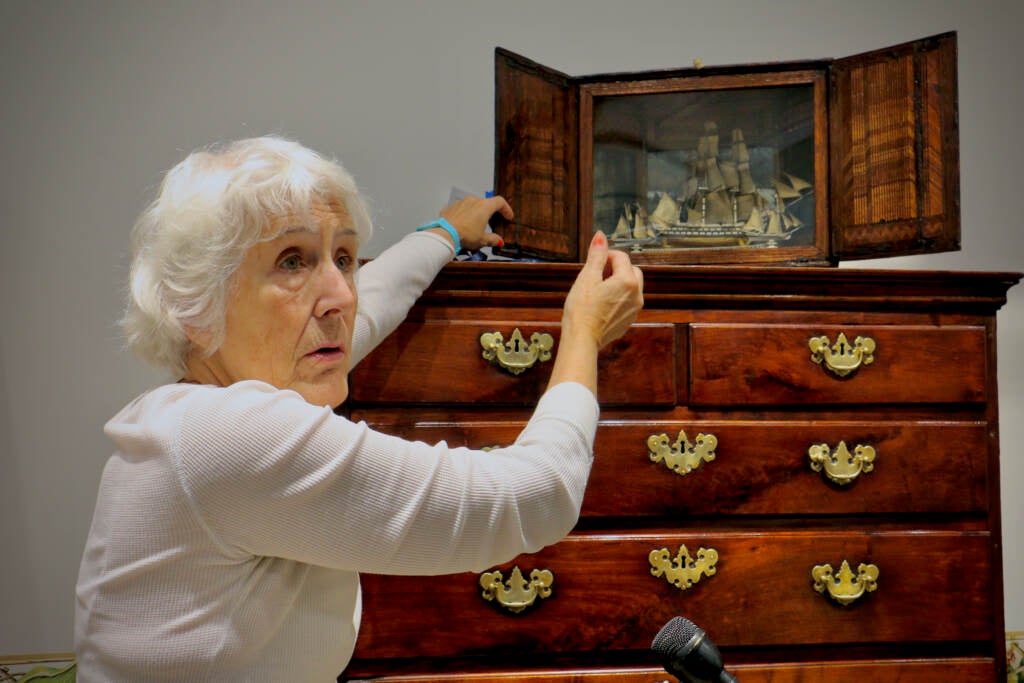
{"x": 682, "y": 456}
{"x": 515, "y": 355}
{"x": 842, "y": 467}
{"x": 842, "y": 358}
{"x": 683, "y": 571}
{"x": 516, "y": 594}
{"x": 845, "y": 587}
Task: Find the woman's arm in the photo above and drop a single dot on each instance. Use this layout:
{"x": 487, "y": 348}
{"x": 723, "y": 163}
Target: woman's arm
{"x": 271, "y": 475}
{"x": 390, "y": 284}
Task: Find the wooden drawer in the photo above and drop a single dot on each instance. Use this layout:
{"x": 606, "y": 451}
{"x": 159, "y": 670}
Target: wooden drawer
{"x": 604, "y": 597}
{"x": 443, "y": 363}
{"x": 960, "y": 669}
{"x": 764, "y": 467}
{"x": 734, "y": 365}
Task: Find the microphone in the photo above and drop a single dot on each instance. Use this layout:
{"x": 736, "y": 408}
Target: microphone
{"x": 687, "y": 653}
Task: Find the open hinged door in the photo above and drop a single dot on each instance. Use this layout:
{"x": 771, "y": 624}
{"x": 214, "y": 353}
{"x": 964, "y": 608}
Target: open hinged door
{"x": 894, "y": 151}
{"x": 536, "y": 156}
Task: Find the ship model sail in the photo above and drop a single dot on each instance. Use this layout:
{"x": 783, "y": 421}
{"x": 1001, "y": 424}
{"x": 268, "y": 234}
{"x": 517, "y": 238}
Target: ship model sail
{"x": 718, "y": 205}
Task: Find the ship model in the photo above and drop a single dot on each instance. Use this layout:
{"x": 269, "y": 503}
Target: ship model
{"x": 719, "y": 205}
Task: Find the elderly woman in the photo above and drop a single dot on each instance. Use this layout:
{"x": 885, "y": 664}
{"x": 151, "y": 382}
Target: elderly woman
{"x": 238, "y": 509}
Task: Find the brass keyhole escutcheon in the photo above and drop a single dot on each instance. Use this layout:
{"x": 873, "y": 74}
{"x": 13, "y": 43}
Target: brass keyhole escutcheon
{"x": 842, "y": 358}
{"x": 682, "y": 456}
{"x": 683, "y": 571}
{"x": 516, "y": 355}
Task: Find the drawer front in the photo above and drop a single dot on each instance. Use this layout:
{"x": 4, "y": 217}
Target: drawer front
{"x": 444, "y": 363}
{"x": 605, "y": 597}
{"x": 760, "y": 468}
{"x": 786, "y": 468}
{"x": 775, "y": 365}
{"x": 961, "y": 669}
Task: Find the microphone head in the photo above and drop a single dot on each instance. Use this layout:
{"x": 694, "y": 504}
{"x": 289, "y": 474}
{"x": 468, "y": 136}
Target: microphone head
{"x": 687, "y": 653}
{"x": 676, "y": 638}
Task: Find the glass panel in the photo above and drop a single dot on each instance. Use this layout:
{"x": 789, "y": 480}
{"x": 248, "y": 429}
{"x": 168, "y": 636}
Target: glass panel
{"x": 705, "y": 169}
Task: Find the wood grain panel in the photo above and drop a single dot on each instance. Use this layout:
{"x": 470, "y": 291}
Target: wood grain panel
{"x": 439, "y": 362}
{"x": 605, "y": 598}
{"x": 962, "y": 670}
{"x": 738, "y": 365}
{"x": 763, "y": 467}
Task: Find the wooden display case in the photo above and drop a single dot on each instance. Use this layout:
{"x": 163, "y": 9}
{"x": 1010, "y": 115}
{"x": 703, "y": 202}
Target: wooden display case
{"x": 768, "y": 423}
{"x": 783, "y": 163}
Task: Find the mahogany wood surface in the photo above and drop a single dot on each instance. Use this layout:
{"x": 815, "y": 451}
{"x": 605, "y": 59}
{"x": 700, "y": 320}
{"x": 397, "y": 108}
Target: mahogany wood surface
{"x": 440, "y": 357}
{"x": 760, "y": 467}
{"x": 720, "y": 351}
{"x": 499, "y": 286}
{"x": 963, "y": 670}
{"x": 740, "y": 365}
{"x": 605, "y": 598}
{"x": 535, "y": 143}
{"x": 895, "y": 157}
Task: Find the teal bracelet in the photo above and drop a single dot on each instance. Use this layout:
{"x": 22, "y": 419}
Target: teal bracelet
{"x": 443, "y": 223}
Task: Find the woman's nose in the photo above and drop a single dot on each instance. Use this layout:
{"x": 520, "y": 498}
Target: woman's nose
{"x": 335, "y": 291}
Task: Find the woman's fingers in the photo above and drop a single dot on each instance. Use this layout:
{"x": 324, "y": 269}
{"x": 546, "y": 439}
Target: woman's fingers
{"x": 470, "y": 215}
{"x": 607, "y": 294}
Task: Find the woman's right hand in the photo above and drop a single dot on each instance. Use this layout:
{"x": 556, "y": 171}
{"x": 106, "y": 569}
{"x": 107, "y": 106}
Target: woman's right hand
{"x": 601, "y": 305}
{"x": 607, "y": 295}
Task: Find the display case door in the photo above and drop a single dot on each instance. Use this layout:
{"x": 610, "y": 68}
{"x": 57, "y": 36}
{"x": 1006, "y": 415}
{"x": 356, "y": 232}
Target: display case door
{"x": 536, "y": 156}
{"x": 894, "y": 169}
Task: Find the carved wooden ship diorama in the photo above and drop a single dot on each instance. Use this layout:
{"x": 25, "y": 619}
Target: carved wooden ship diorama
{"x": 719, "y": 204}
{"x": 799, "y": 163}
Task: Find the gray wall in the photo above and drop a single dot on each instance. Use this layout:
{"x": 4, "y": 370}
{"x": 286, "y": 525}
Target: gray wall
{"x": 97, "y": 99}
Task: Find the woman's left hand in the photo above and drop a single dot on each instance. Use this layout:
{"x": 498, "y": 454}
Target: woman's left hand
{"x": 469, "y": 217}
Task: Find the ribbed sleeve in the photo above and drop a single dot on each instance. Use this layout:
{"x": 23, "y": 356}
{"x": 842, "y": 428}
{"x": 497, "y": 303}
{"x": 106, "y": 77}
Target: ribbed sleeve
{"x": 231, "y": 524}
{"x": 272, "y": 475}
{"x": 389, "y": 285}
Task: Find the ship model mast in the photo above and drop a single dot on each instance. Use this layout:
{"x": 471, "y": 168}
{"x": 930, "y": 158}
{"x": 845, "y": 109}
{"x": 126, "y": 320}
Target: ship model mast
{"x": 719, "y": 205}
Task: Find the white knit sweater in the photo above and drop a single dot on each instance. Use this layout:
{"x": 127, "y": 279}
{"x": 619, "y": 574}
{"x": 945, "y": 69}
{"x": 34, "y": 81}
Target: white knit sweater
{"x": 231, "y": 522}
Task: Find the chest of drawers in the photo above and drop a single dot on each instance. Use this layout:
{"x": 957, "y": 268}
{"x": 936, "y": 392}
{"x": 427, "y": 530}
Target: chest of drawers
{"x": 802, "y": 461}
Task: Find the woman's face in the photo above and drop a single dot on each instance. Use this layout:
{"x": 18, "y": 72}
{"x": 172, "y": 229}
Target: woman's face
{"x": 291, "y": 309}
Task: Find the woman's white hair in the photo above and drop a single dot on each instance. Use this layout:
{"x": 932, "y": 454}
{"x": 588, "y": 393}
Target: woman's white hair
{"x": 210, "y": 210}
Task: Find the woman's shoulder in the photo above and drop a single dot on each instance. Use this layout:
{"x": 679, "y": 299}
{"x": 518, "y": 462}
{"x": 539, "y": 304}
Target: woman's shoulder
{"x": 201, "y": 426}
{"x": 184, "y": 406}
{"x": 242, "y": 400}
{"x": 180, "y": 393}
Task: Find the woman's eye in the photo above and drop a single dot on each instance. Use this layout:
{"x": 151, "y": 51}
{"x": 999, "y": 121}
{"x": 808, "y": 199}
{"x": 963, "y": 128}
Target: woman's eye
{"x": 290, "y": 262}
{"x": 344, "y": 262}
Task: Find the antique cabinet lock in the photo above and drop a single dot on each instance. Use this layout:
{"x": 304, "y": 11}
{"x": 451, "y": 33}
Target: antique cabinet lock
{"x": 683, "y": 571}
{"x": 515, "y": 355}
{"x": 682, "y": 456}
{"x": 842, "y": 358}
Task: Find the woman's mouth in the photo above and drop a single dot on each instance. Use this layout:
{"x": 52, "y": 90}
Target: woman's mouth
{"x": 327, "y": 354}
